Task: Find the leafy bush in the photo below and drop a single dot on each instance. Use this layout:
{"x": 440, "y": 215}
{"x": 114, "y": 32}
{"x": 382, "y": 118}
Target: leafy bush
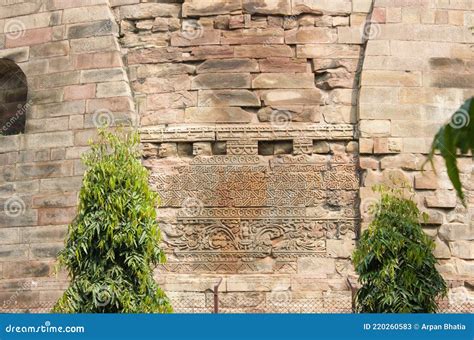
{"x": 112, "y": 244}
{"x": 458, "y": 134}
{"x": 394, "y": 260}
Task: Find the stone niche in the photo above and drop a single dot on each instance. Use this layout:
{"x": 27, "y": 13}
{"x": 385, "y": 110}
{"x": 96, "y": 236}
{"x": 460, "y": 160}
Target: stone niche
{"x": 253, "y": 198}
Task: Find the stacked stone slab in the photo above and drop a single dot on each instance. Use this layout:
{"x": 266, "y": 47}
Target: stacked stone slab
{"x": 238, "y": 88}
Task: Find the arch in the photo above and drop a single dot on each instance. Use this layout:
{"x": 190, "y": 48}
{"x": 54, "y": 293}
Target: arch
{"x": 13, "y": 98}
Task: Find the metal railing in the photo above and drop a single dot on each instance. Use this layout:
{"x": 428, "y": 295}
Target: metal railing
{"x": 225, "y": 304}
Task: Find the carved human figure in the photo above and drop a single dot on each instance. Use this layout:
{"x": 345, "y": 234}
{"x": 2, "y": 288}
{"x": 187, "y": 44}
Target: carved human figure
{"x": 168, "y": 150}
{"x": 202, "y": 149}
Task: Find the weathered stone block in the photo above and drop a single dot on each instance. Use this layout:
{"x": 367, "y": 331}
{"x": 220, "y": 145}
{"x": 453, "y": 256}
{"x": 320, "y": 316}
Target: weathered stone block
{"x": 162, "y": 85}
{"x": 94, "y": 29}
{"x": 29, "y": 37}
{"x": 97, "y": 60}
{"x": 78, "y": 92}
{"x": 441, "y": 250}
{"x": 17, "y": 55}
{"x": 175, "y": 100}
{"x": 265, "y": 51}
{"x": 362, "y": 6}
{"x": 45, "y": 251}
{"x": 16, "y": 8}
{"x": 44, "y": 170}
{"x": 96, "y": 76}
{"x": 391, "y": 78}
{"x": 166, "y": 116}
{"x": 283, "y": 81}
{"x": 13, "y": 252}
{"x": 86, "y": 14}
{"x": 456, "y": 232}
{"x": 402, "y": 161}
{"x": 273, "y": 7}
{"x": 19, "y": 269}
{"x": 462, "y": 249}
{"x": 292, "y": 97}
{"x": 310, "y": 35}
{"x": 426, "y": 181}
{"x": 253, "y": 36}
{"x": 49, "y": 140}
{"x": 9, "y": 236}
{"x": 321, "y": 147}
{"x": 57, "y": 109}
{"x": 55, "y": 200}
{"x": 55, "y": 216}
{"x": 276, "y": 65}
{"x": 26, "y": 218}
{"x": 93, "y": 44}
{"x": 228, "y": 65}
{"x": 221, "y": 81}
{"x": 327, "y": 51}
{"x": 374, "y": 128}
{"x": 322, "y": 6}
{"x": 9, "y": 143}
{"x": 228, "y": 98}
{"x": 340, "y": 248}
{"x": 217, "y": 115}
{"x": 55, "y": 80}
{"x": 150, "y": 10}
{"x": 200, "y": 36}
{"x": 257, "y": 284}
{"x": 116, "y": 104}
{"x": 442, "y": 199}
{"x": 210, "y": 7}
{"x": 113, "y": 89}
{"x": 52, "y": 49}
{"x": 317, "y": 267}
{"x": 43, "y": 234}
{"x": 154, "y": 55}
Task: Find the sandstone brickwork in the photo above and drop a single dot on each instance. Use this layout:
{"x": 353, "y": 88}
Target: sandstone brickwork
{"x": 265, "y": 123}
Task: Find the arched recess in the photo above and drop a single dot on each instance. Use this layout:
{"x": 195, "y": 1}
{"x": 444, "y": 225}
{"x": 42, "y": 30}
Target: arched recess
{"x": 13, "y": 98}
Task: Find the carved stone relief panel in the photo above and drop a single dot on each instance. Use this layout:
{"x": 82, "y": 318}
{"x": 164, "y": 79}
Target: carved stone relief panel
{"x": 245, "y": 212}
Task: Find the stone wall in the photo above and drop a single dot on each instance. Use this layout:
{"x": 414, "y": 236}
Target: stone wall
{"x": 75, "y": 78}
{"x": 418, "y": 69}
{"x": 264, "y": 124}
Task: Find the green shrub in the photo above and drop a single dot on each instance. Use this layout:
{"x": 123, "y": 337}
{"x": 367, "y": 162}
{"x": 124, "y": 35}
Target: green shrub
{"x": 113, "y": 243}
{"x": 394, "y": 260}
